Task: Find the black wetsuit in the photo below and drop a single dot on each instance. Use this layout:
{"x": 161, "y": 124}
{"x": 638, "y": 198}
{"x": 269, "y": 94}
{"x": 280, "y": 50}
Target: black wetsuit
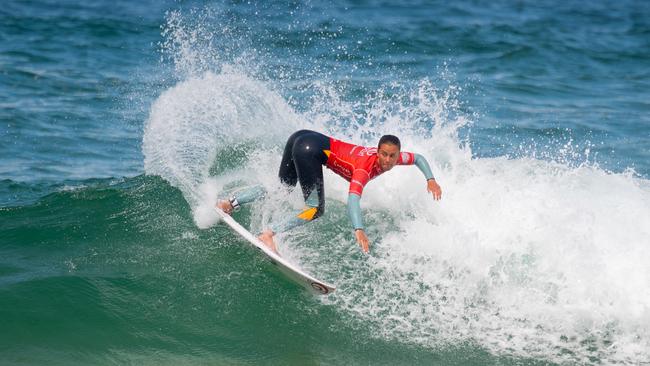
{"x": 302, "y": 161}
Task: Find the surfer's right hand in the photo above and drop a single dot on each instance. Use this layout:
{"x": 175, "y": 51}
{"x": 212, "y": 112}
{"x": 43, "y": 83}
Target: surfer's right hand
{"x": 362, "y": 239}
{"x": 225, "y": 206}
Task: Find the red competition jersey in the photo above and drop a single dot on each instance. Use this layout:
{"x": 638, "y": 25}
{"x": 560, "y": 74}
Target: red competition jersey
{"x": 357, "y": 164}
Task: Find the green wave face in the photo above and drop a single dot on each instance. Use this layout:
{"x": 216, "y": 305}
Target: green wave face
{"x": 117, "y": 272}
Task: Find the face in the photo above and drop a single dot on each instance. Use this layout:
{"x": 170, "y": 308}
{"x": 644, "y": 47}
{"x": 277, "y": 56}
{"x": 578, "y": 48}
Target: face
{"x": 387, "y": 155}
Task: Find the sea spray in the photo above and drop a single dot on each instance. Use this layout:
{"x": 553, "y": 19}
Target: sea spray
{"x": 198, "y": 119}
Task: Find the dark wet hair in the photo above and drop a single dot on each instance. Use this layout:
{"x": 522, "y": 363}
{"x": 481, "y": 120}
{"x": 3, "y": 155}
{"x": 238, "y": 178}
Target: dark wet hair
{"x": 390, "y": 139}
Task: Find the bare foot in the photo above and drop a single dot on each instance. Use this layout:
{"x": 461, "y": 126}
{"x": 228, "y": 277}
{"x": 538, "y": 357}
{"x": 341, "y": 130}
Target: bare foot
{"x": 225, "y": 206}
{"x": 267, "y": 238}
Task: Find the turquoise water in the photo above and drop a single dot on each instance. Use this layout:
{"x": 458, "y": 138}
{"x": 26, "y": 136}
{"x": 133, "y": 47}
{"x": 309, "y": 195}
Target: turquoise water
{"x": 121, "y": 122}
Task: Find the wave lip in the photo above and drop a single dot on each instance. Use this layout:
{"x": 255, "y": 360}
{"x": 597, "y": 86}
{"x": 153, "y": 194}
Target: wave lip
{"x": 196, "y": 120}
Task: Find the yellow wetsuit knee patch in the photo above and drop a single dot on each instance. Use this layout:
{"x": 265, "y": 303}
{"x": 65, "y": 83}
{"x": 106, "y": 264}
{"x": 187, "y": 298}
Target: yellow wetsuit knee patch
{"x": 308, "y": 213}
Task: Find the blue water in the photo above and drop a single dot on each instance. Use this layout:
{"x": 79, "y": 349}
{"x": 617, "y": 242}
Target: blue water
{"x": 77, "y": 79}
{"x": 508, "y": 100}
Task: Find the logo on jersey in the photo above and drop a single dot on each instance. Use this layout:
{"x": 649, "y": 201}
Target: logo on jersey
{"x": 344, "y": 170}
{"x": 367, "y": 151}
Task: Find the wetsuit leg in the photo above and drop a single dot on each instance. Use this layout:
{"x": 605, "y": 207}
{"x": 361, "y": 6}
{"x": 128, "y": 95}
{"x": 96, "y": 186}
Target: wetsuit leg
{"x": 309, "y": 157}
{"x": 288, "y": 174}
{"x": 303, "y": 161}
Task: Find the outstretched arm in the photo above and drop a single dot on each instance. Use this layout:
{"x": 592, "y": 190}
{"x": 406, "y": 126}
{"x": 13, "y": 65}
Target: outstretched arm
{"x": 432, "y": 185}
{"x": 354, "y": 210}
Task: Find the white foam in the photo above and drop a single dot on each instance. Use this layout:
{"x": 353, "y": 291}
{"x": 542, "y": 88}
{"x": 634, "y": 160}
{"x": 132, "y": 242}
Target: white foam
{"x": 521, "y": 256}
{"x": 204, "y": 215}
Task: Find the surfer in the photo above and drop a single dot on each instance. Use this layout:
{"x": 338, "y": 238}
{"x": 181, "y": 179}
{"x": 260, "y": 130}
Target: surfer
{"x": 304, "y": 155}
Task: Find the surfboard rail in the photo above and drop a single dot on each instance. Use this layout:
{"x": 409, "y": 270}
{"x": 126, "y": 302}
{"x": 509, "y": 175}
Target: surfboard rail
{"x": 290, "y": 270}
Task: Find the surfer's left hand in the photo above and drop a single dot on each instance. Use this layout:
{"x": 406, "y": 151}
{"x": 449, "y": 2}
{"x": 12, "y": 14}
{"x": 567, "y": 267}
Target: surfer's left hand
{"x": 434, "y": 189}
{"x": 362, "y": 239}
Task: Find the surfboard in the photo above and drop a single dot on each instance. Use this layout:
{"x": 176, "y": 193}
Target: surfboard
{"x": 290, "y": 270}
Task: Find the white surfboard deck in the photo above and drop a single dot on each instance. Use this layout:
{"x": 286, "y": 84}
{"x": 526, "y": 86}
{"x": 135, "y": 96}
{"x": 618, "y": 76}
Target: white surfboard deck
{"x": 293, "y": 272}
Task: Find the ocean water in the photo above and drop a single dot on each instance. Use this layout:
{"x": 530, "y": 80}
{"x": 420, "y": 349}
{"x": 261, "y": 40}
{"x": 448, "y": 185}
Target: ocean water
{"x": 122, "y": 122}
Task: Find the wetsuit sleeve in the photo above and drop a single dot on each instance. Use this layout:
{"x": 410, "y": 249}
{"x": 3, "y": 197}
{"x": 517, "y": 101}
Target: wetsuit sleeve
{"x": 250, "y": 194}
{"x": 423, "y": 165}
{"x": 354, "y": 210}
